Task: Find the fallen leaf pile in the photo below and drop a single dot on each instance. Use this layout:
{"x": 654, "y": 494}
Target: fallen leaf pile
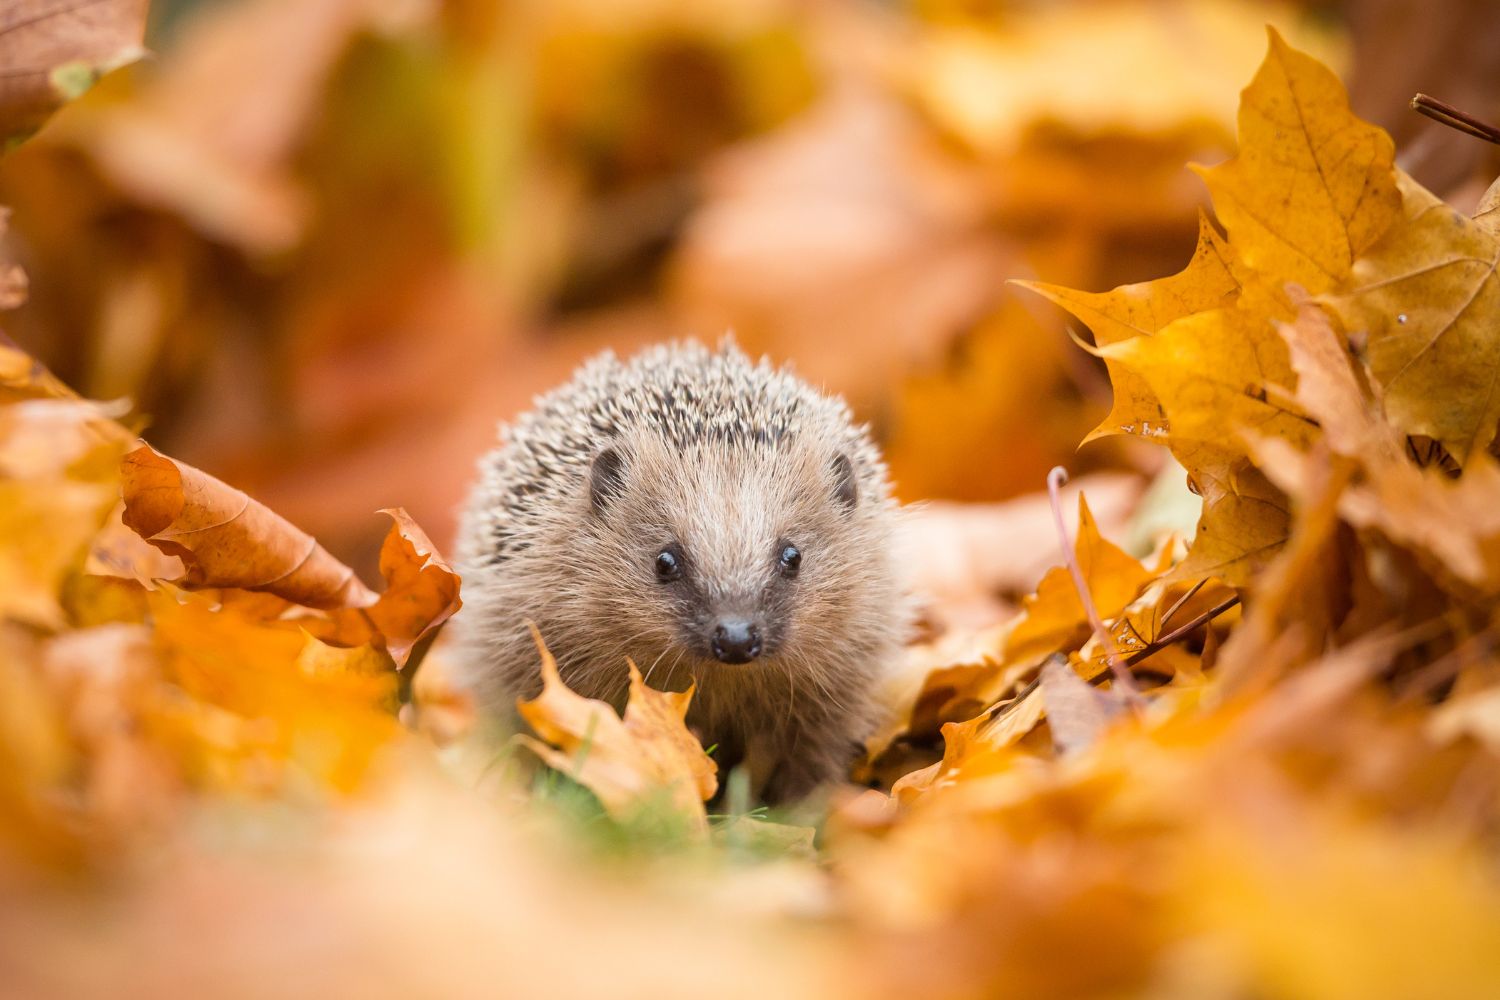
{"x": 235, "y": 655}
{"x": 1255, "y": 756}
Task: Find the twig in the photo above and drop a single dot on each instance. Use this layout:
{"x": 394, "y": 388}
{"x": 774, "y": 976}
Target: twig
{"x": 1005, "y": 705}
{"x": 1172, "y": 611}
{"x": 1452, "y": 117}
{"x": 1117, "y": 663}
{"x": 1162, "y": 642}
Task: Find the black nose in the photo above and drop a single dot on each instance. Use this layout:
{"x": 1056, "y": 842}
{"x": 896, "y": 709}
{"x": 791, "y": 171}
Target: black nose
{"x": 736, "y": 641}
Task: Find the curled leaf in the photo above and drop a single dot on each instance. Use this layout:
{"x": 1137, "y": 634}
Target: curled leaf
{"x": 226, "y": 539}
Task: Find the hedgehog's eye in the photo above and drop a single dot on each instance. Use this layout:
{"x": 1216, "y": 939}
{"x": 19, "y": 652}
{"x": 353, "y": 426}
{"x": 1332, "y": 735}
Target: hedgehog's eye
{"x": 668, "y": 566}
{"x": 789, "y": 560}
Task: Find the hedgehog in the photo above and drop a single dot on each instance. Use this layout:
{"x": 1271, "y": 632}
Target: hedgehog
{"x": 716, "y": 520}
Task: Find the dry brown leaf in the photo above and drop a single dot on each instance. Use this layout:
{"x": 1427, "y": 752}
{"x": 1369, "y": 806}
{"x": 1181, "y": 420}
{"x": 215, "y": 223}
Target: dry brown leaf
{"x": 53, "y": 49}
{"x": 1428, "y": 299}
{"x": 1452, "y": 523}
{"x": 1077, "y": 712}
{"x": 1245, "y": 518}
{"x": 976, "y": 748}
{"x": 226, "y": 539}
{"x": 1332, "y": 389}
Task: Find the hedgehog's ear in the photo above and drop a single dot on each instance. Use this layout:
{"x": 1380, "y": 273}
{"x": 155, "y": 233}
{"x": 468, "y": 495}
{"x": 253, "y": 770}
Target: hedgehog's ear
{"x": 845, "y": 485}
{"x": 606, "y": 479}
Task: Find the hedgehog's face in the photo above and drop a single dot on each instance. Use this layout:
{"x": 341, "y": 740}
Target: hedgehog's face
{"x": 727, "y": 554}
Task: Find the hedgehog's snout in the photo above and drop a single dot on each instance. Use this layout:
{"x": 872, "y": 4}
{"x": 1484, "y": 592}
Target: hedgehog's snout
{"x": 735, "y": 640}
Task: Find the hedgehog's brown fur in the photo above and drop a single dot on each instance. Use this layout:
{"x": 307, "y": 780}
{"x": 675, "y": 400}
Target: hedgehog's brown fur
{"x": 730, "y": 459}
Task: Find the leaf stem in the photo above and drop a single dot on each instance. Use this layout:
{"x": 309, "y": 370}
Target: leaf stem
{"x": 1172, "y": 611}
{"x": 1177, "y": 633}
{"x": 1447, "y": 114}
{"x": 1117, "y": 663}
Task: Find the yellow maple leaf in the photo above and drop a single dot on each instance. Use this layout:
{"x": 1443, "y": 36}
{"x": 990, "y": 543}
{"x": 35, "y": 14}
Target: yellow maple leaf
{"x": 1216, "y": 373}
{"x": 1428, "y": 297}
{"x": 1245, "y": 519}
{"x": 1217, "y": 370}
{"x": 1313, "y": 186}
{"x": 1209, "y": 281}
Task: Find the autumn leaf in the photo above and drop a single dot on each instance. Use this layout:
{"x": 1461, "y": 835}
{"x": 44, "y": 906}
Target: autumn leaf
{"x": 1428, "y": 299}
{"x": 1167, "y": 604}
{"x": 1245, "y": 518}
{"x": 1208, "y": 282}
{"x": 421, "y": 589}
{"x": 23, "y": 377}
{"x": 645, "y": 757}
{"x": 1451, "y": 522}
{"x": 980, "y": 746}
{"x": 1077, "y": 713}
{"x": 57, "y": 486}
{"x": 1332, "y": 389}
{"x": 226, "y": 539}
{"x": 1215, "y": 369}
{"x": 1312, "y": 187}
{"x": 266, "y": 704}
{"x": 1055, "y": 616}
{"x": 53, "y": 49}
